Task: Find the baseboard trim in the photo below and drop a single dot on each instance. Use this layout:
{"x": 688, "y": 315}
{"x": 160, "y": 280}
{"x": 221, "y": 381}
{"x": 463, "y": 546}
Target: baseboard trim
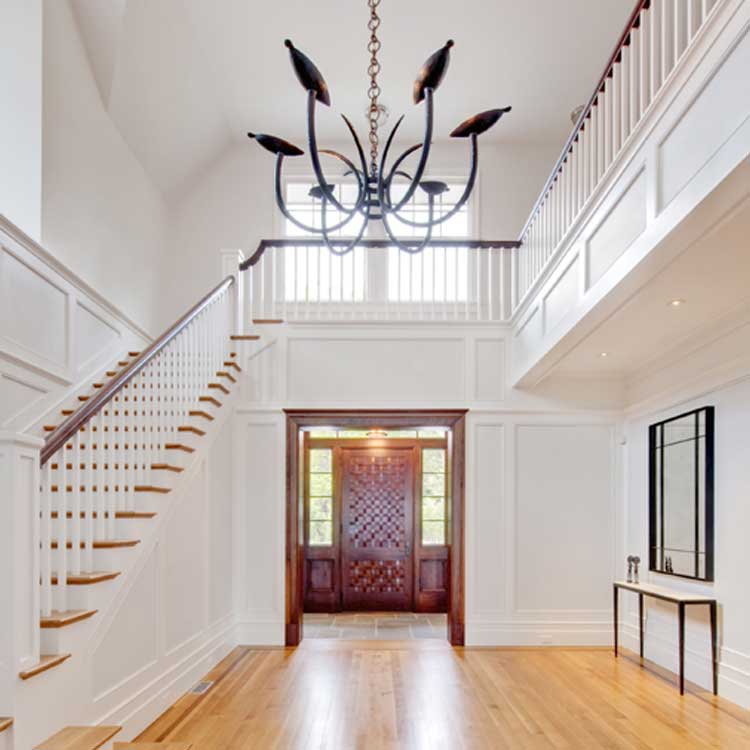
{"x": 509, "y": 633}
{"x": 734, "y": 682}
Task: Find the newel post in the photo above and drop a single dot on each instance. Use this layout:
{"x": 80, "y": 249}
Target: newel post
{"x": 19, "y": 559}
{"x": 230, "y": 266}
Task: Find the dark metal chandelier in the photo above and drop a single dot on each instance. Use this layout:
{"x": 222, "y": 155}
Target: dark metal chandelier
{"x": 374, "y": 181}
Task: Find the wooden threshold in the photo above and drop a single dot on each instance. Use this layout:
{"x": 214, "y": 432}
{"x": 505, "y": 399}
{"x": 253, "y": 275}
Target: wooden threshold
{"x": 46, "y": 662}
{"x": 79, "y": 738}
{"x": 59, "y": 619}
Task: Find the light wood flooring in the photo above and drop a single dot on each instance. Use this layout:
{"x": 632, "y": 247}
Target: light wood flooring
{"x": 378, "y": 695}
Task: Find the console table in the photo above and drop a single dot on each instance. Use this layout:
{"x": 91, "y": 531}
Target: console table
{"x": 681, "y": 600}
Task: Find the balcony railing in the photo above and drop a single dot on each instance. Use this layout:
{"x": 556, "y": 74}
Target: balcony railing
{"x": 459, "y": 281}
{"x": 654, "y": 41}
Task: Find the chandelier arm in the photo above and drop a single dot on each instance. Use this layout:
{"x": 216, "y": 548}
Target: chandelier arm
{"x": 325, "y": 231}
{"x": 404, "y": 246}
{"x": 464, "y": 196}
{"x": 360, "y": 150}
{"x": 315, "y": 158}
{"x": 395, "y": 171}
{"x": 361, "y": 183}
{"x": 285, "y": 211}
{"x": 427, "y": 144}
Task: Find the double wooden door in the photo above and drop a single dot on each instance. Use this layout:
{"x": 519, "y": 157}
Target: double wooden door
{"x": 369, "y": 555}
{"x": 377, "y": 522}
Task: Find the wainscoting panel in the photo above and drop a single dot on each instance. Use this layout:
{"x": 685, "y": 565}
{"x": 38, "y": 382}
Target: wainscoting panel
{"x": 617, "y": 231}
{"x": 362, "y": 370}
{"x": 564, "y": 518}
{"x": 33, "y": 314}
{"x": 705, "y": 126}
{"x": 131, "y": 643}
{"x": 185, "y": 575}
{"x": 489, "y": 369}
{"x": 563, "y": 296}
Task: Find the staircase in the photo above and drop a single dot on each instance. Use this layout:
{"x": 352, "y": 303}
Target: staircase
{"x": 108, "y": 465}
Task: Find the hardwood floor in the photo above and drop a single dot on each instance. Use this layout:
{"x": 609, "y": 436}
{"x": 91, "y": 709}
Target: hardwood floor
{"x": 372, "y": 695}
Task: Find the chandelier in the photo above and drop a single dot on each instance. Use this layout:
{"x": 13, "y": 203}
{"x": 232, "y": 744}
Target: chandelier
{"x": 375, "y": 180}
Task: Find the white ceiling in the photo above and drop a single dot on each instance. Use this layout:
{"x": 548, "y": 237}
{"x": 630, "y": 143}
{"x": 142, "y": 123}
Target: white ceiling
{"x": 711, "y": 276}
{"x": 182, "y": 78}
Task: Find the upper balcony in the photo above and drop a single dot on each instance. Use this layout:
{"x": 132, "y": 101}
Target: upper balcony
{"x": 664, "y": 131}
{"x": 653, "y": 177}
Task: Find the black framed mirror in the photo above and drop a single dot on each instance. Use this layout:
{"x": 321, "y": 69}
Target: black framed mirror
{"x": 681, "y": 495}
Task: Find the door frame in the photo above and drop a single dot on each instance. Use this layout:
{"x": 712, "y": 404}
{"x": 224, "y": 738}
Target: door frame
{"x": 296, "y": 421}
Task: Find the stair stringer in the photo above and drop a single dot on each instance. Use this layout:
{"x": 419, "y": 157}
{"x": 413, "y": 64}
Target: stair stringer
{"x": 68, "y": 693}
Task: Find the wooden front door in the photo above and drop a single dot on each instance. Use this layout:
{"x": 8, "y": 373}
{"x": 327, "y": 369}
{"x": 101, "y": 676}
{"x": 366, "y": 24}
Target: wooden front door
{"x": 377, "y": 517}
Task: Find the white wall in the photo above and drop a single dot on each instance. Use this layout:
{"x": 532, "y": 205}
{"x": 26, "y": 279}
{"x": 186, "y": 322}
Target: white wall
{"x": 101, "y": 215}
{"x": 231, "y": 205}
{"x": 700, "y": 380}
{"x": 21, "y": 120}
{"x": 536, "y": 465}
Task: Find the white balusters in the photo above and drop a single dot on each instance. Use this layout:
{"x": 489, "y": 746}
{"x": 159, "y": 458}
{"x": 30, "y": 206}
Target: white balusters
{"x": 94, "y": 474}
{"x": 655, "y": 45}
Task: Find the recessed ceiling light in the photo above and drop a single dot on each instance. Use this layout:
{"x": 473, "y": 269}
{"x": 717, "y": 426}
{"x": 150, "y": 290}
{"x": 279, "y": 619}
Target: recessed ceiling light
{"x": 676, "y": 302}
{"x": 604, "y": 354}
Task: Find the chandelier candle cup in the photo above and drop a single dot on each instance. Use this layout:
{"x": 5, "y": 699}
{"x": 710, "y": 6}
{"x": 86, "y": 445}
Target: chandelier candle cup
{"x": 375, "y": 181}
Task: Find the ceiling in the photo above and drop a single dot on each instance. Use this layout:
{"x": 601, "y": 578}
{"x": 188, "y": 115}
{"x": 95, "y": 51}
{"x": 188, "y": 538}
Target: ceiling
{"x": 182, "y": 79}
{"x": 709, "y": 278}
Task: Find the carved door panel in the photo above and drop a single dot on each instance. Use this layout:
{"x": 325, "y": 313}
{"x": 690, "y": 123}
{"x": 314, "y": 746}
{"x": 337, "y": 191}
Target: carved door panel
{"x": 377, "y": 515}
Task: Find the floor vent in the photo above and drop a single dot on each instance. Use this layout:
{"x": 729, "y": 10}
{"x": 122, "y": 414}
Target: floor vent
{"x": 201, "y": 687}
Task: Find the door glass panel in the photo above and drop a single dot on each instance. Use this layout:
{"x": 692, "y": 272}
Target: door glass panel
{"x": 433, "y": 496}
{"x": 320, "y": 493}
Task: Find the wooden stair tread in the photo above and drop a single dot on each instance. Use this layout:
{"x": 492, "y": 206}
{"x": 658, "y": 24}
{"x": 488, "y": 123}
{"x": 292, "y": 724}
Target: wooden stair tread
{"x": 59, "y": 619}
{"x": 219, "y": 387}
{"x": 5, "y": 723}
{"x": 225, "y": 374}
{"x": 179, "y": 447}
{"x": 190, "y": 428}
{"x": 122, "y": 514}
{"x": 267, "y": 321}
{"x": 116, "y": 488}
{"x": 233, "y": 364}
{"x": 86, "y": 579}
{"x": 209, "y": 400}
{"x": 101, "y": 543}
{"x": 167, "y": 467}
{"x": 199, "y": 413}
{"x": 79, "y": 738}
{"x": 45, "y": 662}
{"x": 244, "y": 337}
{"x": 152, "y": 746}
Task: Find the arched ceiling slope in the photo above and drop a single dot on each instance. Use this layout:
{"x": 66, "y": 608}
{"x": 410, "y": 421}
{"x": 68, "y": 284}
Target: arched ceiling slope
{"x": 183, "y": 78}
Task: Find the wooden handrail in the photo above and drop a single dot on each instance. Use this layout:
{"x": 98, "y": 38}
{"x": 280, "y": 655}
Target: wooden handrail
{"x": 615, "y": 57}
{"x": 75, "y": 421}
{"x": 263, "y": 245}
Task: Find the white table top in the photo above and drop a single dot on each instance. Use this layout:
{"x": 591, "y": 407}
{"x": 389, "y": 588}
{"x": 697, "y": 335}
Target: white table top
{"x": 662, "y": 592}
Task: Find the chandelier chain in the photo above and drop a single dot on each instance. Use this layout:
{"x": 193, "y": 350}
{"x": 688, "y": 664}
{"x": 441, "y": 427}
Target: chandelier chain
{"x": 374, "y": 111}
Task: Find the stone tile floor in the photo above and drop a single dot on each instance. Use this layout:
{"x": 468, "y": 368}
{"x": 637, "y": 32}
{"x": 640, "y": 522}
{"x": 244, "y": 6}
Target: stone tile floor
{"x": 376, "y": 626}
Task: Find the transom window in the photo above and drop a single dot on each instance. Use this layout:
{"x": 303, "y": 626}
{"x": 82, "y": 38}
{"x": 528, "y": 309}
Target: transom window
{"x": 312, "y": 274}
